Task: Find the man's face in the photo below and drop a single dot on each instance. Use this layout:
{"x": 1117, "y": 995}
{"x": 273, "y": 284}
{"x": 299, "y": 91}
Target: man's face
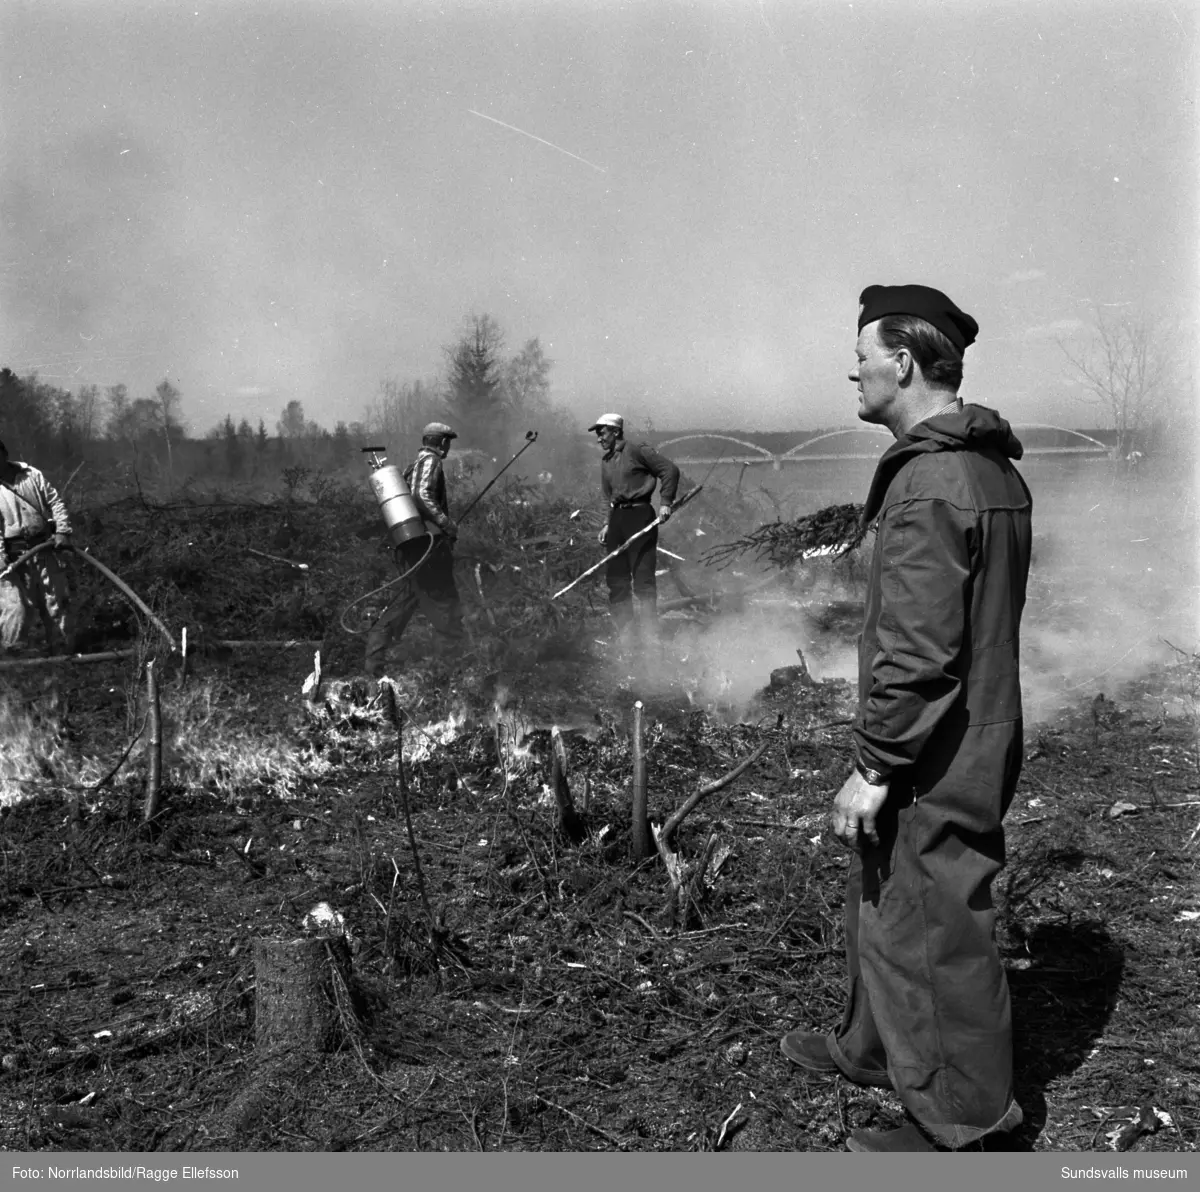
{"x": 876, "y": 376}
{"x": 606, "y": 436}
{"x": 445, "y": 445}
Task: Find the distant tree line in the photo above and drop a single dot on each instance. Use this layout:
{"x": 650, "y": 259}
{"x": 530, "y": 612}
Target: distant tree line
{"x": 491, "y": 397}
{"x": 1129, "y": 371}
{"x": 46, "y": 419}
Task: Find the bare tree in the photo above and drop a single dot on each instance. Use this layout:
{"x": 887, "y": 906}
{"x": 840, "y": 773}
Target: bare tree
{"x": 1127, "y": 372}
{"x": 167, "y": 398}
{"x": 116, "y": 426}
{"x": 397, "y": 415}
{"x": 527, "y": 382}
{"x": 86, "y": 407}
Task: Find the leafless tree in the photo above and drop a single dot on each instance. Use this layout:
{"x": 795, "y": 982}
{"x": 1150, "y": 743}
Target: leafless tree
{"x": 116, "y": 426}
{"x": 166, "y": 397}
{"x": 1127, "y": 371}
{"x": 397, "y": 415}
{"x": 527, "y": 382}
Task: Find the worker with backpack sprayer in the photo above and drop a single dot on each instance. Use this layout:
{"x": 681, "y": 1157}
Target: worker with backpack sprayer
{"x": 423, "y": 532}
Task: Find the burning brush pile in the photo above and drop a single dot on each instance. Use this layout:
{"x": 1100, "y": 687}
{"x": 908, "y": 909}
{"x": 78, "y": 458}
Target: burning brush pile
{"x": 832, "y": 532}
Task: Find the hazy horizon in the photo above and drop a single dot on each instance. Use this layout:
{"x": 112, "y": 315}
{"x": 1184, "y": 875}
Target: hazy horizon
{"x": 265, "y": 202}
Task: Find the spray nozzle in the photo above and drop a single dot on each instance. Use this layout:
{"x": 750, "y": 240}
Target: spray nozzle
{"x": 378, "y": 459}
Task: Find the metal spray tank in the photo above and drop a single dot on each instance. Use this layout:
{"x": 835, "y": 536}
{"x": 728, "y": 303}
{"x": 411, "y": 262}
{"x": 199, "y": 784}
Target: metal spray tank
{"x": 399, "y": 510}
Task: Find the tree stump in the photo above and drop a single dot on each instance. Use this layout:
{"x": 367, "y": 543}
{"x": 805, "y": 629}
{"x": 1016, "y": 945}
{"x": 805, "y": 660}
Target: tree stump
{"x": 296, "y": 1002}
{"x": 301, "y": 1004}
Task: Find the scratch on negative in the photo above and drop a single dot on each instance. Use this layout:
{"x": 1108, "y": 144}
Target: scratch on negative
{"x": 540, "y": 140}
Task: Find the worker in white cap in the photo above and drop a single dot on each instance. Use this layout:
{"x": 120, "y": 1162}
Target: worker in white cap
{"x": 430, "y": 587}
{"x": 629, "y": 473}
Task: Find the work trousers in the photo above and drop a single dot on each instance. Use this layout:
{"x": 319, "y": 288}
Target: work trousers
{"x": 431, "y": 589}
{"x": 39, "y": 586}
{"x": 927, "y": 996}
{"x": 631, "y": 574}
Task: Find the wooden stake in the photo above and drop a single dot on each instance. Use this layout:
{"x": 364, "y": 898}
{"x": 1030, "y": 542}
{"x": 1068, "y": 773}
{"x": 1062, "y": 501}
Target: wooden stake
{"x": 183, "y": 656}
{"x": 153, "y": 745}
{"x": 569, "y": 820}
{"x": 312, "y": 685}
{"x": 491, "y": 616}
{"x": 396, "y": 715}
{"x": 641, "y": 818}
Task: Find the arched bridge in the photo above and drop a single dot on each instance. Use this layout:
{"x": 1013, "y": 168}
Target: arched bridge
{"x": 847, "y": 443}
{"x": 751, "y": 453}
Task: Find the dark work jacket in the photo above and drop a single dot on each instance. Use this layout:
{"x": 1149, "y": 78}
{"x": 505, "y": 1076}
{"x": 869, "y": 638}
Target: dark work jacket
{"x": 629, "y": 471}
{"x": 939, "y": 689}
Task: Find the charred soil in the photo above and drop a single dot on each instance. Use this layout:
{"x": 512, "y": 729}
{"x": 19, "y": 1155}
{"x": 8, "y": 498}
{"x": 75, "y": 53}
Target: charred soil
{"x": 526, "y": 990}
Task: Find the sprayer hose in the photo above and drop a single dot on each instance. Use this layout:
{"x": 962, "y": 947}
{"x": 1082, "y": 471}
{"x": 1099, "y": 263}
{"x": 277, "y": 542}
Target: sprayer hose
{"x": 391, "y": 583}
{"x": 133, "y": 598}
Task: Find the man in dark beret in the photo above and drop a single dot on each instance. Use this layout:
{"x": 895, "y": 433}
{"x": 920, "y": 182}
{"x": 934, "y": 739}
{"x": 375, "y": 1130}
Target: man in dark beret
{"x": 937, "y": 740}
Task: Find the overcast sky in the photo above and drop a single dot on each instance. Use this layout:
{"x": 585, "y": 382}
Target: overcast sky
{"x": 266, "y": 201}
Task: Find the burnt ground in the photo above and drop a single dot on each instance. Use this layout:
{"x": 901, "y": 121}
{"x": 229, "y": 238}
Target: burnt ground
{"x": 558, "y": 1003}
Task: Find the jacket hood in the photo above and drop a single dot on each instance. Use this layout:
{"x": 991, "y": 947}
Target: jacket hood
{"x": 973, "y": 428}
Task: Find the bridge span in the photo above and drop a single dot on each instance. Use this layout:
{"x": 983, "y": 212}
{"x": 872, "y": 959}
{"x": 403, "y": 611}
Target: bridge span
{"x": 715, "y": 447}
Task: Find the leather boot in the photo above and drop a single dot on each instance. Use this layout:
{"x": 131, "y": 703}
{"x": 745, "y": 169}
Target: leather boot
{"x": 810, "y": 1050}
{"x": 906, "y": 1138}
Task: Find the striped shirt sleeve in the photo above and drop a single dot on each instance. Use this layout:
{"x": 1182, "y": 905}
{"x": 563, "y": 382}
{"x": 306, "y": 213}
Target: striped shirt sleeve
{"x": 424, "y": 488}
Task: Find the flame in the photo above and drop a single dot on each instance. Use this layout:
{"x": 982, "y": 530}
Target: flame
{"x": 518, "y": 751}
{"x": 33, "y": 753}
{"x": 422, "y": 740}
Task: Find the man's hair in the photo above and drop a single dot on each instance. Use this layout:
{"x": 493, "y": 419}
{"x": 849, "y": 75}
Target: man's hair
{"x": 3, "y": 449}
{"x": 432, "y": 440}
{"x": 941, "y": 363}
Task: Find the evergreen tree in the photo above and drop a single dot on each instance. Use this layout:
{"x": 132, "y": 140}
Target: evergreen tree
{"x": 475, "y": 386}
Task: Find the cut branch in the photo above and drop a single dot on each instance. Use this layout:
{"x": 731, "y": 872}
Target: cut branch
{"x": 681, "y": 813}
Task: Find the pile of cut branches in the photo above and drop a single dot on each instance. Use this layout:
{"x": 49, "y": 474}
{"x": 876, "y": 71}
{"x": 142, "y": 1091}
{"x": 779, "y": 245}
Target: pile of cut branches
{"x": 833, "y": 531}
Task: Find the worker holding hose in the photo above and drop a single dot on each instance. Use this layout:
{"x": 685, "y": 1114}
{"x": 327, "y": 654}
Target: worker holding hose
{"x": 33, "y": 513}
{"x": 429, "y": 560}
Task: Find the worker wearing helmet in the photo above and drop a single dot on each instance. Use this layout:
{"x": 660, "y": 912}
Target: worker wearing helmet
{"x": 430, "y": 585}
{"x": 629, "y": 473}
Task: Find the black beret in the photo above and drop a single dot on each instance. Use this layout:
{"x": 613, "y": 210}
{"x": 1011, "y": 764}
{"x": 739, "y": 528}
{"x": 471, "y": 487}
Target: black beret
{"x": 924, "y": 303}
